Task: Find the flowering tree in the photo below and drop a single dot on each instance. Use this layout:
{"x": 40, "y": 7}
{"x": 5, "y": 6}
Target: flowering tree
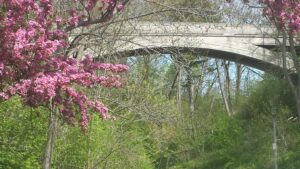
{"x": 285, "y": 16}
{"x": 32, "y": 60}
{"x": 34, "y": 63}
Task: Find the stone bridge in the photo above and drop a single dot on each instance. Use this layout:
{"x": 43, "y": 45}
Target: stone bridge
{"x": 246, "y": 44}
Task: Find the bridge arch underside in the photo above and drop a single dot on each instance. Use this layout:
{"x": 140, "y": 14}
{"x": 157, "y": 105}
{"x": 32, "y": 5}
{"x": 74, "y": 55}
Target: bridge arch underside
{"x": 248, "y": 51}
{"x": 265, "y": 63}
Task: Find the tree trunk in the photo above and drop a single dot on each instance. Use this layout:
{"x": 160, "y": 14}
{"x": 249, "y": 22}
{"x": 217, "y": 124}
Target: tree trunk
{"x": 295, "y": 87}
{"x": 222, "y": 91}
{"x": 238, "y": 82}
{"x": 51, "y": 139}
{"x": 227, "y": 85}
{"x": 298, "y": 105}
{"x": 297, "y": 65}
{"x": 173, "y": 84}
{"x": 191, "y": 95}
{"x": 274, "y": 145}
{"x": 146, "y": 67}
{"x": 179, "y": 89}
{"x": 191, "y": 91}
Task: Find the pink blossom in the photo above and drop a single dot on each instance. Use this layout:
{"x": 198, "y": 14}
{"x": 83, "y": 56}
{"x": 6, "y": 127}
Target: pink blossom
{"x": 74, "y": 19}
{"x": 283, "y": 13}
{"x": 31, "y": 66}
{"x": 120, "y": 7}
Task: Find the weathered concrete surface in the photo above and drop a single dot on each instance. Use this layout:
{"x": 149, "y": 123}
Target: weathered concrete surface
{"x": 241, "y": 43}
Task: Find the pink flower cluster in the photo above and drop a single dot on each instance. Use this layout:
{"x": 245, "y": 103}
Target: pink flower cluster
{"x": 31, "y": 66}
{"x": 284, "y": 13}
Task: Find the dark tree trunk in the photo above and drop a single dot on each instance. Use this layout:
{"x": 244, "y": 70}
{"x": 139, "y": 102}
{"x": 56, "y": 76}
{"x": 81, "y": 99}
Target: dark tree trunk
{"x": 221, "y": 89}
{"x": 227, "y": 85}
{"x": 238, "y": 82}
{"x": 191, "y": 95}
{"x": 179, "y": 89}
{"x": 51, "y": 139}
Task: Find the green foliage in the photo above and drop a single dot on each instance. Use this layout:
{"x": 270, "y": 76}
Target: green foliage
{"x": 150, "y": 133}
{"x": 290, "y": 151}
{"x": 108, "y": 144}
{"x": 133, "y": 140}
{"x": 254, "y": 149}
{"x": 22, "y": 135}
{"x": 262, "y": 96}
{"x": 244, "y": 141}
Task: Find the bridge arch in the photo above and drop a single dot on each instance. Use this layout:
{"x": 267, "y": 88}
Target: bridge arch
{"x": 244, "y": 44}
